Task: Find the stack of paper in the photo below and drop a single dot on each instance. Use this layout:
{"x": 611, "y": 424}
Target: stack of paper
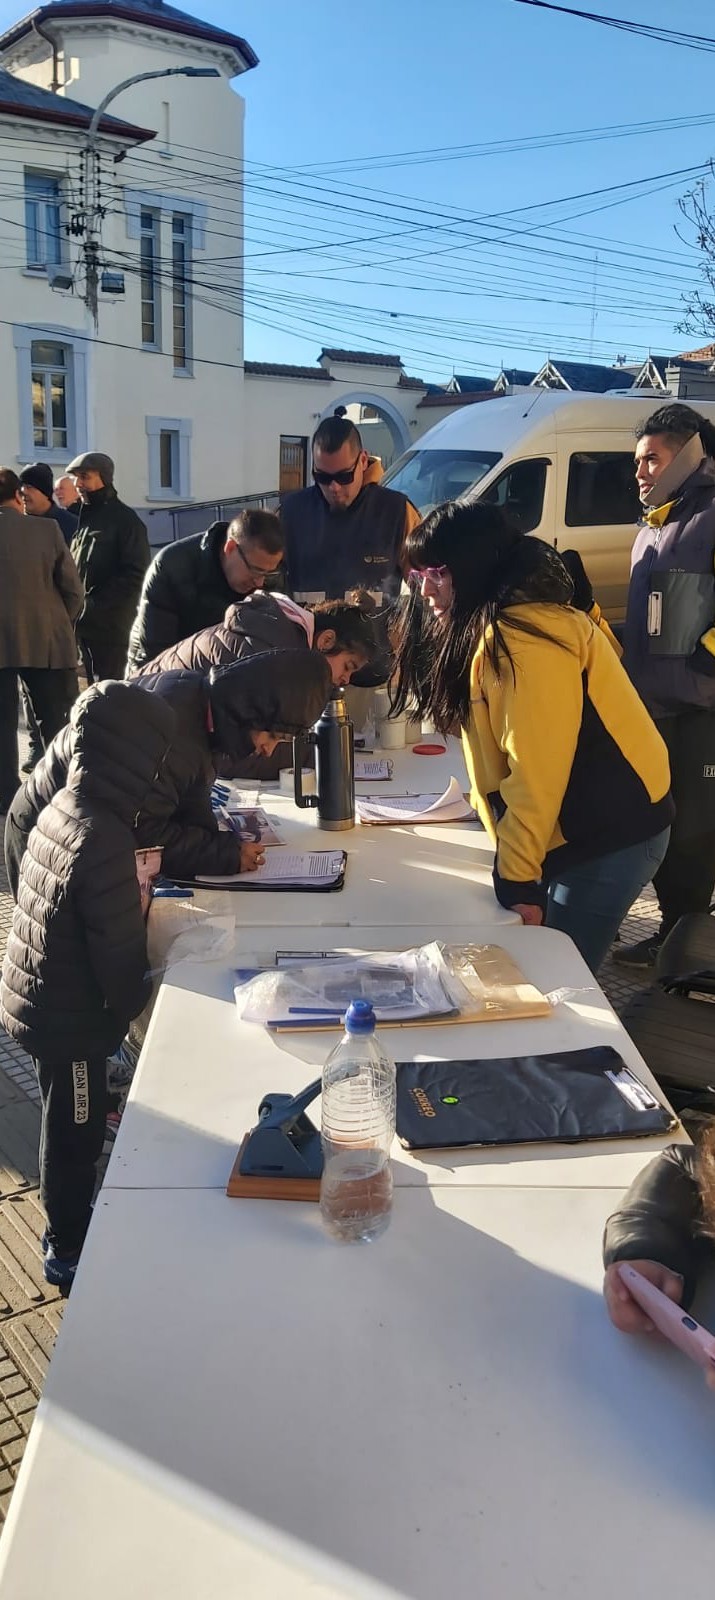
{"x": 311, "y": 869}
{"x": 450, "y": 806}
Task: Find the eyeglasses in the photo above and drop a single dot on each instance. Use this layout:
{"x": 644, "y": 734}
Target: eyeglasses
{"x": 256, "y": 572}
{"x": 346, "y": 476}
{"x": 432, "y": 574}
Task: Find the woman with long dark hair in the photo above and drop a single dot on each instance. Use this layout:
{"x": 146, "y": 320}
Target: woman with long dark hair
{"x": 568, "y": 772}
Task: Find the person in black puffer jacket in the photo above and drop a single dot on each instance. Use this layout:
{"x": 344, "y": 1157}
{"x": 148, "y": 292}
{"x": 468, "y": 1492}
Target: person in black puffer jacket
{"x": 111, "y": 550}
{"x": 74, "y": 973}
{"x": 665, "y": 1228}
{"x": 189, "y": 584}
{"x": 220, "y": 720}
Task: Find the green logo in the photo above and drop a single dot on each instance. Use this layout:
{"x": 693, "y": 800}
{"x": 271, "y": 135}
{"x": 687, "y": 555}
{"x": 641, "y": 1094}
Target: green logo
{"x": 450, "y": 1099}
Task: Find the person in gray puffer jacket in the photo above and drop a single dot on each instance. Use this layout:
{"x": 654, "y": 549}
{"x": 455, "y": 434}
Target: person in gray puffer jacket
{"x": 75, "y": 969}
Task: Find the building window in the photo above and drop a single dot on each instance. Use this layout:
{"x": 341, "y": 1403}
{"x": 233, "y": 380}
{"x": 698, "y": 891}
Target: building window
{"x": 180, "y": 287}
{"x": 50, "y": 399}
{"x": 169, "y": 458}
{"x": 43, "y": 228}
{"x": 601, "y": 490}
{"x": 149, "y": 252}
{"x": 292, "y": 462}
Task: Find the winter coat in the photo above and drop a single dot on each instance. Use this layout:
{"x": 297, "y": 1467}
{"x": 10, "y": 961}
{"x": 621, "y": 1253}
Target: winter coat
{"x": 176, "y": 812}
{"x": 74, "y": 973}
{"x": 66, "y": 521}
{"x": 565, "y": 764}
{"x": 249, "y": 627}
{"x": 669, "y": 635}
{"x": 41, "y": 593}
{"x": 661, "y": 1220}
{"x": 111, "y": 550}
{"x": 184, "y": 590}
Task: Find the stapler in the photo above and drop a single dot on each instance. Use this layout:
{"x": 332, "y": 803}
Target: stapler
{"x": 281, "y": 1158}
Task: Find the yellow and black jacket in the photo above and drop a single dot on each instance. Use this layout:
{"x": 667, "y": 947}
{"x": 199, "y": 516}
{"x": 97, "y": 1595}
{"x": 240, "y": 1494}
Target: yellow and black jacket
{"x": 565, "y": 763}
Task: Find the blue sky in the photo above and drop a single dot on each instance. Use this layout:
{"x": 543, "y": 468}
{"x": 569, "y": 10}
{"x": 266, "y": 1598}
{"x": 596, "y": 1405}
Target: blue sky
{"x": 439, "y": 260}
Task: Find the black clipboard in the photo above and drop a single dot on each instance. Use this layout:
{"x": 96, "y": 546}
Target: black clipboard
{"x": 556, "y": 1098}
{"x": 245, "y": 883}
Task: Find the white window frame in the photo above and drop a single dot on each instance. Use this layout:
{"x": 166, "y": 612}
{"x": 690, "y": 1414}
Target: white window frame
{"x": 24, "y": 336}
{"x": 47, "y": 206}
{"x": 181, "y": 428}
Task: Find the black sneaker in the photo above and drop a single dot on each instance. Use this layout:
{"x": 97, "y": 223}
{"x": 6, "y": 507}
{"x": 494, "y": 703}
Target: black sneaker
{"x": 642, "y": 955}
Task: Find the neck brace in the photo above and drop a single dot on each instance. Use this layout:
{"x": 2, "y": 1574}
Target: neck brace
{"x": 676, "y": 473}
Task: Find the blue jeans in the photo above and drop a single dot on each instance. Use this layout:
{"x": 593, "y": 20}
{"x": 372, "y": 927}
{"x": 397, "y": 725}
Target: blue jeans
{"x": 589, "y": 902}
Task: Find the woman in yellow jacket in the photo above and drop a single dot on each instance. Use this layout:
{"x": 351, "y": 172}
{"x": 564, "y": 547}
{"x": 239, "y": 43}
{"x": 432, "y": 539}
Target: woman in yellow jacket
{"x": 568, "y": 772}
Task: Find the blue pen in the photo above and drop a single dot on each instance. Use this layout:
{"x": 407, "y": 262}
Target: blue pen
{"x": 315, "y": 1011}
{"x": 173, "y": 894}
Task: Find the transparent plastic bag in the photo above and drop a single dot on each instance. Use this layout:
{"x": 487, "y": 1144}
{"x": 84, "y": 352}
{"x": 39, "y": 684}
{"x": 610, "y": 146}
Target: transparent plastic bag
{"x": 400, "y": 986}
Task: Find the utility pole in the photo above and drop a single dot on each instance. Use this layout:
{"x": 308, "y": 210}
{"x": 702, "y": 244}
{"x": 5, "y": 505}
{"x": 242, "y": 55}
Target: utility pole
{"x": 92, "y": 206}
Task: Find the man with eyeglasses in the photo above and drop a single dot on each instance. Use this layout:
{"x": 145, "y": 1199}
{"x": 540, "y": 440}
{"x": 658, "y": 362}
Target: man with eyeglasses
{"x": 346, "y": 532}
{"x": 190, "y": 584}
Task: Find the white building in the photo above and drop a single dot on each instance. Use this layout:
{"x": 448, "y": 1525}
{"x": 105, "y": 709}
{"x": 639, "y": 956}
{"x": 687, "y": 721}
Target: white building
{"x": 159, "y": 385}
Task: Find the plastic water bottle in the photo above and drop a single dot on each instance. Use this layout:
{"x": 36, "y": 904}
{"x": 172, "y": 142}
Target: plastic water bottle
{"x": 358, "y": 1127}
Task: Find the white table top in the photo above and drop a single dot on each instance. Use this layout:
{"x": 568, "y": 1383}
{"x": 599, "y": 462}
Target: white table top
{"x": 203, "y": 1072}
{"x": 445, "y": 1412}
{"x": 393, "y": 874}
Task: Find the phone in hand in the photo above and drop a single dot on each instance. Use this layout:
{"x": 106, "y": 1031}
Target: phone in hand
{"x": 670, "y": 1319}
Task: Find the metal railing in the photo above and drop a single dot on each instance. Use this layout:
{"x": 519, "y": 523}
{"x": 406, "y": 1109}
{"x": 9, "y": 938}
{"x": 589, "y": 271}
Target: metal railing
{"x": 165, "y": 524}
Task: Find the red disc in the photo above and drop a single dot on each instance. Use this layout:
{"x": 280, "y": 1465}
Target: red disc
{"x": 429, "y": 749}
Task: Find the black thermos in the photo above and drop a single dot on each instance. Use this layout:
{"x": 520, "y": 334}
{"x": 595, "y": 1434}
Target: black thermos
{"x": 332, "y": 737}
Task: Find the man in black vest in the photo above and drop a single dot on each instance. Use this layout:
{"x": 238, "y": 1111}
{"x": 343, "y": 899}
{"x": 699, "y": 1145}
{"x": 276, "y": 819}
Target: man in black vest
{"x": 345, "y": 532}
{"x": 670, "y": 648}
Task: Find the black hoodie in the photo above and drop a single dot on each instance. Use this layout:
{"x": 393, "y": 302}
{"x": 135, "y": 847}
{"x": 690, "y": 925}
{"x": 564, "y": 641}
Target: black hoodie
{"x": 74, "y": 973}
{"x": 282, "y": 690}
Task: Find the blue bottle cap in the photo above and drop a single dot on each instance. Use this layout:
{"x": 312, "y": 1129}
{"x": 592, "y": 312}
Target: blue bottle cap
{"x": 360, "y": 1017}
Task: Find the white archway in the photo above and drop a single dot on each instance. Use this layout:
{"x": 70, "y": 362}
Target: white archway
{"x": 394, "y": 420}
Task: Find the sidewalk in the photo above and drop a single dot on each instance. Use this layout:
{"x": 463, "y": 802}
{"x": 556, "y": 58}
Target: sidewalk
{"x": 30, "y": 1311}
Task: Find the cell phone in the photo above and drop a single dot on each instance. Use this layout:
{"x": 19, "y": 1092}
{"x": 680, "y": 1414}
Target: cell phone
{"x": 670, "y": 1319}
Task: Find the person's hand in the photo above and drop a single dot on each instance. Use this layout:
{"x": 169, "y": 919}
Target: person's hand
{"x": 252, "y": 856}
{"x": 533, "y": 916}
{"x": 623, "y": 1310}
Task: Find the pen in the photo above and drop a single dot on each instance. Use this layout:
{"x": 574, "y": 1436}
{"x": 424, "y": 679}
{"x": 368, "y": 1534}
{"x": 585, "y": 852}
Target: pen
{"x": 173, "y": 893}
{"x": 315, "y": 1011}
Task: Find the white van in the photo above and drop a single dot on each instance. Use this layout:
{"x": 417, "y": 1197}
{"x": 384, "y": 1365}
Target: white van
{"x": 560, "y": 463}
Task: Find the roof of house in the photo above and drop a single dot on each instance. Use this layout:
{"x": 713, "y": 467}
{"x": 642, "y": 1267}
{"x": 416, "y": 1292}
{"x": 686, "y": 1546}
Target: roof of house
{"x": 517, "y": 375}
{"x": 362, "y": 358}
{"x": 276, "y": 369}
{"x": 453, "y": 400}
{"x": 155, "y": 13}
{"x": 469, "y": 384}
{"x": 405, "y": 382}
{"x": 20, "y": 99}
{"x": 706, "y": 353}
{"x": 589, "y": 378}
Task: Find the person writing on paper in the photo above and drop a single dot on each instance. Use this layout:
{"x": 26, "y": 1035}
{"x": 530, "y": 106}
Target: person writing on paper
{"x": 665, "y": 1228}
{"x": 219, "y": 720}
{"x": 568, "y": 772}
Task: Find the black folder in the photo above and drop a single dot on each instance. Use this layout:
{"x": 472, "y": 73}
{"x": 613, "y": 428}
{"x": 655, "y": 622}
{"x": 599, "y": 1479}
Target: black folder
{"x": 560, "y": 1097}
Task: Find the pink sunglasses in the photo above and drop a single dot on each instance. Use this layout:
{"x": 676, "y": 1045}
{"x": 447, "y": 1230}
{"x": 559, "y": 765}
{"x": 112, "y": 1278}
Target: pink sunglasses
{"x": 433, "y": 574}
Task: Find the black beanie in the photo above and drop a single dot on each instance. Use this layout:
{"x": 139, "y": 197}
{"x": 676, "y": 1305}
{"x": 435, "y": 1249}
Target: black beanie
{"x": 39, "y": 476}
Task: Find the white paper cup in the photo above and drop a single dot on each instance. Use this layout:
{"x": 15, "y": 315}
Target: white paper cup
{"x": 392, "y": 733}
{"x": 287, "y": 780}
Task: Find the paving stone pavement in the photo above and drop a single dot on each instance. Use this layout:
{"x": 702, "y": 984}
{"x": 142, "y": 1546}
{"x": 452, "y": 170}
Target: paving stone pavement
{"x": 30, "y": 1312}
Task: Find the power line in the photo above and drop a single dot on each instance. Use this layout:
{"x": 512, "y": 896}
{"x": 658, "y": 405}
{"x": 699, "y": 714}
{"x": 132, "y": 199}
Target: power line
{"x": 646, "y": 30}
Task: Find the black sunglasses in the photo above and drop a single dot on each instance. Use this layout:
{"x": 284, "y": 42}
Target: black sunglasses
{"x": 346, "y": 476}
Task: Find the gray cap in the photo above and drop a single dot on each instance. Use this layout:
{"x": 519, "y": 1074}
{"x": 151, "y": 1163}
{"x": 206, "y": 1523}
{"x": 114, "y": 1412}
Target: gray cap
{"x": 94, "y": 461}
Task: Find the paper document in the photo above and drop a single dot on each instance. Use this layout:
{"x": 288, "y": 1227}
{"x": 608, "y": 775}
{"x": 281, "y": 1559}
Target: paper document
{"x": 374, "y": 771}
{"x": 305, "y": 869}
{"x": 450, "y": 806}
{"x": 252, "y": 824}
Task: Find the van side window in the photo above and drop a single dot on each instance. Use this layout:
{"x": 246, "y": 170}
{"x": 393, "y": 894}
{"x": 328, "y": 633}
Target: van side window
{"x": 601, "y": 489}
{"x": 520, "y": 493}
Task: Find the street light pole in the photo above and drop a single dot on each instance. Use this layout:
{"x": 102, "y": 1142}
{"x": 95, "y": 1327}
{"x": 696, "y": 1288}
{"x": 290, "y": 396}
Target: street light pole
{"x": 91, "y": 161}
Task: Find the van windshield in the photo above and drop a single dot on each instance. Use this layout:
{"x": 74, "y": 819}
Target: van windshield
{"x": 427, "y": 477}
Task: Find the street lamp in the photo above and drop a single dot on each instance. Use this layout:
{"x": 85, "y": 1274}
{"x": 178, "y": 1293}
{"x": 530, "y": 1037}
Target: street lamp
{"x": 91, "y": 245}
